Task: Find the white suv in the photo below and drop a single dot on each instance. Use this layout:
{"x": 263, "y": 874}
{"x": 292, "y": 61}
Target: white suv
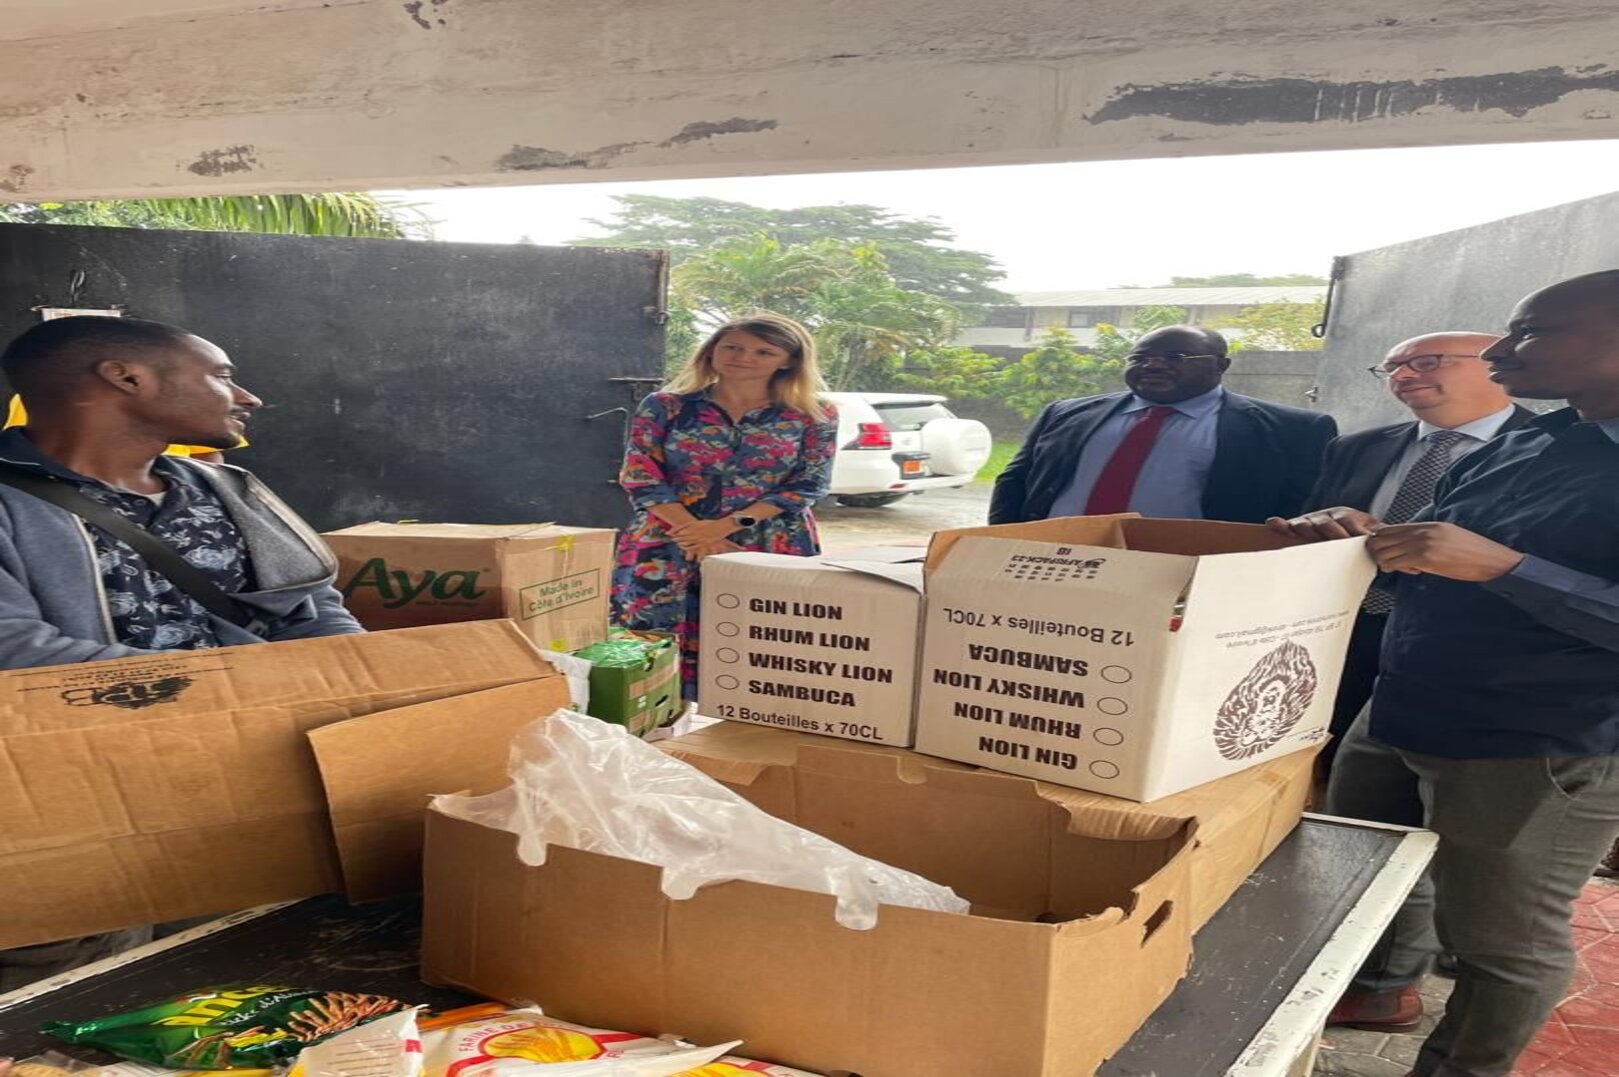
{"x": 894, "y": 444}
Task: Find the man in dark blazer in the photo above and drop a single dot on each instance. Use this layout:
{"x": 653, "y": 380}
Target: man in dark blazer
{"x": 1391, "y": 472}
{"x": 1178, "y": 445}
{"x": 1441, "y": 380}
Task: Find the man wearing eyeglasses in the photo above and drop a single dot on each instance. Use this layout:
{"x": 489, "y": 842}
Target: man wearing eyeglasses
{"x": 1179, "y": 445}
{"x": 1499, "y": 691}
{"x": 1390, "y": 471}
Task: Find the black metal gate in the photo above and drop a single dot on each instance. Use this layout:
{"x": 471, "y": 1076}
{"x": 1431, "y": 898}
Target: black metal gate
{"x": 455, "y": 382}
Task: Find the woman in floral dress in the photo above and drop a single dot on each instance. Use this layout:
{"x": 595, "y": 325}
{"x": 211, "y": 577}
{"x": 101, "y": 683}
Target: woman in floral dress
{"x": 731, "y": 455}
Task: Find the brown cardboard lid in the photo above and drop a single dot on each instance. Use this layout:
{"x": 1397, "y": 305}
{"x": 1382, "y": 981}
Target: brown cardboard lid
{"x": 738, "y": 753}
{"x": 1079, "y": 530}
{"x": 188, "y": 788}
{"x": 471, "y": 532}
{"x": 1125, "y": 531}
{"x": 380, "y": 769}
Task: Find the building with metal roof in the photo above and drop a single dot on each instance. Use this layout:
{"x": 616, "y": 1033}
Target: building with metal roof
{"x": 1017, "y": 328}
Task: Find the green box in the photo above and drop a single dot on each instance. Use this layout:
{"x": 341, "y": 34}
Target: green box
{"x": 634, "y": 680}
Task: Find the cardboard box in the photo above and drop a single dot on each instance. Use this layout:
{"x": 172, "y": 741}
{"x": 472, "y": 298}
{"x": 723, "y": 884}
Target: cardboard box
{"x": 1132, "y": 657}
{"x": 822, "y": 645}
{"x": 1075, "y": 938}
{"x": 638, "y": 689}
{"x": 155, "y": 789}
{"x": 1241, "y": 818}
{"x": 552, "y": 581}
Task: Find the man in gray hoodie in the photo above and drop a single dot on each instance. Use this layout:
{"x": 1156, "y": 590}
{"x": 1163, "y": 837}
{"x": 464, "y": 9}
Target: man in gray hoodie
{"x": 106, "y": 396}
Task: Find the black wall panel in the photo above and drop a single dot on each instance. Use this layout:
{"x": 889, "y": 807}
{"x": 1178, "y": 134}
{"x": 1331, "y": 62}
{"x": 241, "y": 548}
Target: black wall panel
{"x": 409, "y": 380}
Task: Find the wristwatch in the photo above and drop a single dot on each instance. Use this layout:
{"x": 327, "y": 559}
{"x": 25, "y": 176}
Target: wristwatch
{"x": 744, "y": 520}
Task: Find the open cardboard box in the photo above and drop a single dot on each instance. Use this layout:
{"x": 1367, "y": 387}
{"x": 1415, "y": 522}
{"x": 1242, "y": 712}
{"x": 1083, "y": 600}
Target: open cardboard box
{"x": 1083, "y": 910}
{"x": 154, "y": 789}
{"x": 1128, "y": 656}
{"x": 1240, "y": 819}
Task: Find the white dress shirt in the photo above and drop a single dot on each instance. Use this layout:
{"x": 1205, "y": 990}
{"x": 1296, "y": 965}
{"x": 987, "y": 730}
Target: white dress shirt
{"x": 1476, "y": 434}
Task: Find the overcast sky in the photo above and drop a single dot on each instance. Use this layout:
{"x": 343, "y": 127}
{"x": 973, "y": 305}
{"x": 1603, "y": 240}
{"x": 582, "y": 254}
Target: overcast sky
{"x": 1104, "y": 224}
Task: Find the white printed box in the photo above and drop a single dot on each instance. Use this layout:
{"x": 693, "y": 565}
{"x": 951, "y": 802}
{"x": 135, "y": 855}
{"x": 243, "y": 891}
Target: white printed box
{"x": 1132, "y": 657}
{"x": 813, "y": 644}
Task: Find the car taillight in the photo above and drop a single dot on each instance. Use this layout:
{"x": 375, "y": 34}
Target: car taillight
{"x": 873, "y": 436}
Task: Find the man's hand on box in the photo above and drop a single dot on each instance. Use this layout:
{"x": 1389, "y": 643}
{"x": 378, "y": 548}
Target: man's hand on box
{"x": 1338, "y": 523}
{"x": 1441, "y": 550}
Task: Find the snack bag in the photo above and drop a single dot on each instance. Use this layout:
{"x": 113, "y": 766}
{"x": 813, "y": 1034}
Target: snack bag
{"x": 49, "y": 1064}
{"x": 512, "y": 1043}
{"x": 731, "y": 1066}
{"x": 141, "y": 1069}
{"x": 479, "y": 1046}
{"x": 390, "y": 1046}
{"x": 252, "y": 1026}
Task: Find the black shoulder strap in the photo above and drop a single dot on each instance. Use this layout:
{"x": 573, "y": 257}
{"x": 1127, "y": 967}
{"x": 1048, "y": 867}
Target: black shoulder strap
{"x": 157, "y": 554}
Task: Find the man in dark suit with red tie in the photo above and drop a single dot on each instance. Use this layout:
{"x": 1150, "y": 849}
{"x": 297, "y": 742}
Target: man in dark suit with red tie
{"x": 1178, "y": 445}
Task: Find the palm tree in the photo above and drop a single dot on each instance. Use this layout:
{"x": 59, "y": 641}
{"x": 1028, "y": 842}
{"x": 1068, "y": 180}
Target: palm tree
{"x": 362, "y": 215}
{"x": 863, "y": 320}
{"x": 844, "y": 294}
{"x": 751, "y": 274}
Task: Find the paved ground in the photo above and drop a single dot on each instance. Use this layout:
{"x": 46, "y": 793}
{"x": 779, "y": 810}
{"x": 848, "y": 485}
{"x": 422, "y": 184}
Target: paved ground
{"x": 906, "y": 522}
{"x": 1582, "y": 1039}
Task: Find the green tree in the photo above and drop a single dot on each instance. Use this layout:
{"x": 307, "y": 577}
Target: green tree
{"x": 1279, "y": 326}
{"x": 1114, "y": 342}
{"x": 753, "y": 273}
{"x": 954, "y": 372}
{"x": 920, "y": 251}
{"x": 362, "y": 215}
{"x": 1056, "y": 370}
{"x": 863, "y": 321}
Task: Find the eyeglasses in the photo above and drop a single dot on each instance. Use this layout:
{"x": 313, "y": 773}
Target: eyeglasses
{"x": 1420, "y": 364}
{"x": 1172, "y": 358}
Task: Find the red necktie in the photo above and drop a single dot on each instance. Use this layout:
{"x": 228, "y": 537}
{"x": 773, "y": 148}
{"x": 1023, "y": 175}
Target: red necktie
{"x": 1118, "y": 478}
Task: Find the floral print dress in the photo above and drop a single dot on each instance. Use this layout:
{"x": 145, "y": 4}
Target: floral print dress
{"x": 684, "y": 447}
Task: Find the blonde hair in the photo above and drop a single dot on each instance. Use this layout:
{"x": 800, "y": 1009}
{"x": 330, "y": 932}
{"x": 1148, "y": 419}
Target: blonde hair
{"x": 797, "y": 386}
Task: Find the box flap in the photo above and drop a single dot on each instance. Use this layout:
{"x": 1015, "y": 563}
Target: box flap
{"x": 380, "y": 769}
{"x": 1080, "y": 530}
{"x": 992, "y": 564}
{"x": 155, "y": 780}
{"x": 738, "y": 754}
{"x": 1200, "y": 538}
{"x": 297, "y": 673}
{"x": 893, "y": 555}
{"x": 1233, "y": 797}
{"x": 905, "y": 573}
{"x": 465, "y": 532}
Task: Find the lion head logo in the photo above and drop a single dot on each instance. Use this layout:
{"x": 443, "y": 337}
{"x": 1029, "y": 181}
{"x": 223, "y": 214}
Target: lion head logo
{"x": 1267, "y": 703}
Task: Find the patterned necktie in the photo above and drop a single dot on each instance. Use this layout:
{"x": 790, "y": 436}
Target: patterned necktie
{"x": 1415, "y": 492}
{"x": 1118, "y": 478}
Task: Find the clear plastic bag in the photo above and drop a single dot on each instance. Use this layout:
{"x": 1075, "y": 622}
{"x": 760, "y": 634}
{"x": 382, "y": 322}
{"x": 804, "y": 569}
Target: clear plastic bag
{"x": 586, "y": 784}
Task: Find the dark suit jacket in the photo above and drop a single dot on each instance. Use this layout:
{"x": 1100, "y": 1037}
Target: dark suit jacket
{"x": 1355, "y": 464}
{"x": 1266, "y": 458}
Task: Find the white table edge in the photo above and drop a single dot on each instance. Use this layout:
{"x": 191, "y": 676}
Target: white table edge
{"x": 1294, "y": 1026}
